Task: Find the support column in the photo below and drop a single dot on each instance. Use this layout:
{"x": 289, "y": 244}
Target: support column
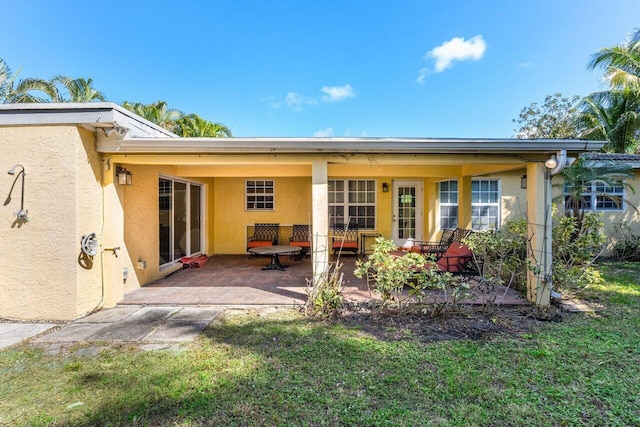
{"x": 464, "y": 202}
{"x": 112, "y": 236}
{"x": 320, "y": 218}
{"x": 539, "y": 234}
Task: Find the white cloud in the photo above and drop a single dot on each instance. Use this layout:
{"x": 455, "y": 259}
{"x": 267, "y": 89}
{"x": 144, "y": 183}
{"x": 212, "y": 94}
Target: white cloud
{"x": 297, "y": 101}
{"x": 323, "y": 133}
{"x": 456, "y": 49}
{"x": 337, "y": 93}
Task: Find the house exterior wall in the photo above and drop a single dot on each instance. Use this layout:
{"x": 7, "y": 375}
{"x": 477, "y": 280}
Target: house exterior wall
{"x": 40, "y": 272}
{"x": 629, "y": 216}
{"x": 232, "y": 223}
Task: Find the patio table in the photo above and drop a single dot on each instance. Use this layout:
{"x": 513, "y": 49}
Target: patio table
{"x": 275, "y": 251}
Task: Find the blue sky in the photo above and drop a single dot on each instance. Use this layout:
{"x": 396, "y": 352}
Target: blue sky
{"x": 325, "y": 68}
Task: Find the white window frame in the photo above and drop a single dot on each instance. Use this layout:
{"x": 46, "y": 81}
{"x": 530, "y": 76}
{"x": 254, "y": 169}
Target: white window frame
{"x": 188, "y": 183}
{"x": 346, "y": 203}
{"x": 448, "y": 204}
{"x": 264, "y": 187}
{"x": 487, "y": 204}
{"x": 496, "y": 204}
{"x": 592, "y": 194}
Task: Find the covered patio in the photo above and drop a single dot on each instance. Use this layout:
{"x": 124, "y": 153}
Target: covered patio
{"x": 236, "y": 280}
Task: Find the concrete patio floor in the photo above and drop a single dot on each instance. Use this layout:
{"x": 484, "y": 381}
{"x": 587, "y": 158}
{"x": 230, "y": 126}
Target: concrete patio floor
{"x": 236, "y": 280}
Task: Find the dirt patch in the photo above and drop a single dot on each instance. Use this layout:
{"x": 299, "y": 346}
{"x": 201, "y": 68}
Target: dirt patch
{"x": 471, "y": 323}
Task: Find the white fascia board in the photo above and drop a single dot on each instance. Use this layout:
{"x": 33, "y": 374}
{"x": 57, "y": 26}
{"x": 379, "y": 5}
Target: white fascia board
{"x": 89, "y": 114}
{"x": 341, "y": 145}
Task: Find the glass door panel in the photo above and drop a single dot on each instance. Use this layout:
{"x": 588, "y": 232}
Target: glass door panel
{"x": 195, "y": 204}
{"x": 179, "y": 220}
{"x": 165, "y": 215}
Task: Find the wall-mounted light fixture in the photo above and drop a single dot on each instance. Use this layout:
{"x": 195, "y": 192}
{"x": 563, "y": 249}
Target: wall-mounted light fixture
{"x": 551, "y": 163}
{"x": 22, "y": 214}
{"x": 123, "y": 175}
{"x": 385, "y": 187}
{"x": 523, "y": 182}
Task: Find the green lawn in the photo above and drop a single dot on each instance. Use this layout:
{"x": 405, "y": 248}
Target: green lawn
{"x": 283, "y": 369}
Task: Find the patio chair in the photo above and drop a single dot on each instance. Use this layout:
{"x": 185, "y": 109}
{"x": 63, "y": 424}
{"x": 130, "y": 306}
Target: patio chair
{"x": 459, "y": 260}
{"x": 301, "y": 236}
{"x": 345, "y": 237}
{"x": 449, "y": 236}
{"x": 436, "y": 248}
{"x": 264, "y": 234}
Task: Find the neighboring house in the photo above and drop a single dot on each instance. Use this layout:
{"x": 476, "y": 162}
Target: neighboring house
{"x": 202, "y": 195}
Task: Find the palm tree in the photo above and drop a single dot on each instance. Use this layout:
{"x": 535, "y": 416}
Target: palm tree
{"x": 77, "y": 90}
{"x": 614, "y": 117}
{"x": 621, "y": 63}
{"x": 157, "y": 112}
{"x": 579, "y": 178}
{"x": 13, "y": 90}
{"x": 195, "y": 126}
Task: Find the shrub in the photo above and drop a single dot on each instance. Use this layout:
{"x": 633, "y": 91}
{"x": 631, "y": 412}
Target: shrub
{"x": 324, "y": 294}
{"x": 627, "y": 244}
{"x": 502, "y": 254}
{"x": 389, "y": 273}
{"x": 576, "y": 245}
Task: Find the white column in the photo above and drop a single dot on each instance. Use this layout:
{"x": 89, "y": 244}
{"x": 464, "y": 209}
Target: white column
{"x": 539, "y": 233}
{"x": 320, "y": 218}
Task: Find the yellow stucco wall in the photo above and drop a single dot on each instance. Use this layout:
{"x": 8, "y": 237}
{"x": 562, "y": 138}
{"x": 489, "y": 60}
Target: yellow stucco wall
{"x": 141, "y": 234}
{"x": 40, "y": 273}
{"x": 230, "y": 219}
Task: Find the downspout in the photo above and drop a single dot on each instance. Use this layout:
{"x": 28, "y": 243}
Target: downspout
{"x": 561, "y": 161}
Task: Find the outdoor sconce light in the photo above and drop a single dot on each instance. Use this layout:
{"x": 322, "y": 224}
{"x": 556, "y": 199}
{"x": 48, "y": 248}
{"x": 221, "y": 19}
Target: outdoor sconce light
{"x": 385, "y": 187}
{"x": 523, "y": 182}
{"x": 124, "y": 176}
{"x": 551, "y": 163}
{"x": 22, "y": 214}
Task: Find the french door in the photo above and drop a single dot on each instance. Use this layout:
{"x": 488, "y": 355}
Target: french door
{"x": 180, "y": 219}
{"x": 407, "y": 211}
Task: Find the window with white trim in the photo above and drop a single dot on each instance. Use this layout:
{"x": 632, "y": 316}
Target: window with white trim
{"x": 353, "y": 200}
{"x": 485, "y": 204}
{"x": 260, "y": 195}
{"x": 448, "y": 204}
{"x": 601, "y": 197}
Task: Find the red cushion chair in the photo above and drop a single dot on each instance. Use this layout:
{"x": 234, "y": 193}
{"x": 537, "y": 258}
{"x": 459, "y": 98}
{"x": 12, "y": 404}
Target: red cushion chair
{"x": 455, "y": 258}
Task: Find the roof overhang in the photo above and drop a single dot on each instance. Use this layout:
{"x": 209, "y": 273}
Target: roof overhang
{"x": 143, "y": 137}
{"x": 342, "y": 146}
{"x": 91, "y": 115}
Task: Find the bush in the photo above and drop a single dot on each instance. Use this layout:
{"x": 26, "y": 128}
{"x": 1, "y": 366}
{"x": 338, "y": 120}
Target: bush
{"x": 575, "y": 248}
{"x": 627, "y": 244}
{"x": 502, "y": 255}
{"x": 389, "y": 273}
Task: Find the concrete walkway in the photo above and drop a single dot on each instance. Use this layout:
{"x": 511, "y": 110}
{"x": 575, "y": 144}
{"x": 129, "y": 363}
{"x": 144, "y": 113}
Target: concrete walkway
{"x": 120, "y": 324}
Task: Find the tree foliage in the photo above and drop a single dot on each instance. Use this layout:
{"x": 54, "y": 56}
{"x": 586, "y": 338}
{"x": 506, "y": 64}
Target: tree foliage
{"x": 185, "y": 125}
{"x": 555, "y": 118}
{"x": 16, "y": 91}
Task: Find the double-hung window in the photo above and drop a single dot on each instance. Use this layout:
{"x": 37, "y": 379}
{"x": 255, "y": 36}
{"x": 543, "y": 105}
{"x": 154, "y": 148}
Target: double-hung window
{"x": 448, "y": 204}
{"x": 600, "y": 197}
{"x": 353, "y": 200}
{"x": 485, "y": 204}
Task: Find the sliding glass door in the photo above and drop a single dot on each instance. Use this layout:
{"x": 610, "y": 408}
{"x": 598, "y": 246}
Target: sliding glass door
{"x": 180, "y": 219}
